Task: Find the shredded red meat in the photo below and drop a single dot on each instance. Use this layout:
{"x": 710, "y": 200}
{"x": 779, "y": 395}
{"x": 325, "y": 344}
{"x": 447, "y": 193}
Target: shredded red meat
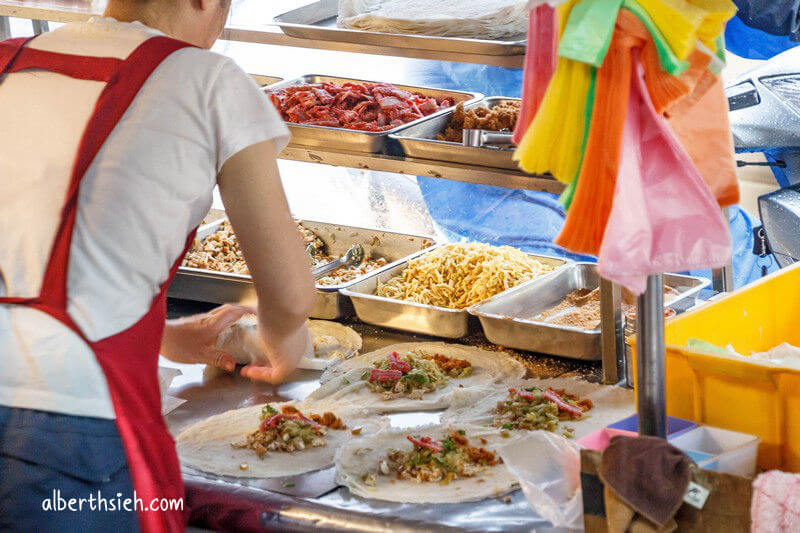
{"x": 355, "y": 106}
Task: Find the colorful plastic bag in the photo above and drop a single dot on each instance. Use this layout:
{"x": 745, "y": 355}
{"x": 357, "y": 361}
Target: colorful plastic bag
{"x": 553, "y": 140}
{"x": 588, "y": 32}
{"x": 587, "y": 216}
{"x": 704, "y": 131}
{"x": 664, "y": 218}
{"x": 540, "y": 63}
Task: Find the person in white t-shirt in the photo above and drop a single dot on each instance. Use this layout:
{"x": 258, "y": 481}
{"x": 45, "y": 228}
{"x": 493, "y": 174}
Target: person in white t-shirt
{"x": 113, "y": 135}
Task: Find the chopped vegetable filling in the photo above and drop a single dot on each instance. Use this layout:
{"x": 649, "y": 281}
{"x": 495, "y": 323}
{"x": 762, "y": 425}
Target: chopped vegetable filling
{"x": 289, "y": 431}
{"x": 438, "y": 461}
{"x": 539, "y": 409}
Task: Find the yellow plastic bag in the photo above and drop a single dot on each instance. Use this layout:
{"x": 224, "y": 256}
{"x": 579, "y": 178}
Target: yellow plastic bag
{"x": 718, "y": 13}
{"x": 553, "y": 141}
{"x": 678, "y": 20}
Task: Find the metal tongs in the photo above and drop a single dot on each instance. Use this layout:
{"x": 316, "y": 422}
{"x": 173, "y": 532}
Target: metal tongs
{"x": 481, "y": 138}
{"x": 353, "y": 256}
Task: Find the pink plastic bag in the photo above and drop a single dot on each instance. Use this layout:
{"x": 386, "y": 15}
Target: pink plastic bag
{"x": 540, "y": 63}
{"x": 664, "y": 217}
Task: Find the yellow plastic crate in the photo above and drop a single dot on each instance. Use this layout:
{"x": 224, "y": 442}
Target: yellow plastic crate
{"x": 732, "y": 392}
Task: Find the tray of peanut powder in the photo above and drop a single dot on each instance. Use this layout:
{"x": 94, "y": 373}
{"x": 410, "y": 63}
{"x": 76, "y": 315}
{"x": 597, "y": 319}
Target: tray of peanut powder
{"x": 559, "y": 314}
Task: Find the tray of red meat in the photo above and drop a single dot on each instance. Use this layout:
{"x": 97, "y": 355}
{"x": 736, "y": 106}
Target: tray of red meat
{"x": 349, "y": 114}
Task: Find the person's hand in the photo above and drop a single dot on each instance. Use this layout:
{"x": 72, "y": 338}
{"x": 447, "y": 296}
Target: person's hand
{"x": 193, "y": 339}
{"x": 283, "y": 357}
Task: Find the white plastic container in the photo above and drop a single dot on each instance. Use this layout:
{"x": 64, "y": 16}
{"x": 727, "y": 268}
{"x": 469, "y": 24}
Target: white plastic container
{"x": 730, "y": 452}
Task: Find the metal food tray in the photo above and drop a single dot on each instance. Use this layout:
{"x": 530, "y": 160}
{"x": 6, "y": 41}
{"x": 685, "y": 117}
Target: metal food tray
{"x": 420, "y": 141}
{"x": 221, "y": 287}
{"x": 412, "y": 316}
{"x": 317, "y": 21}
{"x": 357, "y": 140}
{"x": 505, "y": 321}
{"x": 264, "y": 81}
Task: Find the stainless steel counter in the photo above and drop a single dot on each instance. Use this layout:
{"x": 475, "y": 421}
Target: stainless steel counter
{"x": 209, "y": 393}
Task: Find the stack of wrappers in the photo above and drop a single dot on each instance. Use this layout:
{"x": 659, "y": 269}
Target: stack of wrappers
{"x": 623, "y": 103}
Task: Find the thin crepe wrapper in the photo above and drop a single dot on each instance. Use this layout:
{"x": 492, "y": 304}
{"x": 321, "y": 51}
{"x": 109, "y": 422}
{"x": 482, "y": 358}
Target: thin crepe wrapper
{"x": 664, "y": 218}
{"x": 540, "y": 63}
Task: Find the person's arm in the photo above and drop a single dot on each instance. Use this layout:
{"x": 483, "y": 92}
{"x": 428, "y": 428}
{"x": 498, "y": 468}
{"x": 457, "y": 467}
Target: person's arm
{"x": 193, "y": 339}
{"x": 251, "y": 190}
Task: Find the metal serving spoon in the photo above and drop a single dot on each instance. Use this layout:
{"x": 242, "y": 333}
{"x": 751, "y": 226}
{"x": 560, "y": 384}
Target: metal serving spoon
{"x": 353, "y": 256}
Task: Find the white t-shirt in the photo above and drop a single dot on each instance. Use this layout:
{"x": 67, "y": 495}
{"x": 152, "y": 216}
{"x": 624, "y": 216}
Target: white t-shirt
{"x": 149, "y": 186}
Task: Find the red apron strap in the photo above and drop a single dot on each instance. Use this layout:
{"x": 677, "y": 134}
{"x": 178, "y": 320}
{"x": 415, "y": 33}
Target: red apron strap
{"x": 115, "y": 99}
{"x": 9, "y": 50}
{"x": 80, "y": 67}
{"x": 130, "y": 363}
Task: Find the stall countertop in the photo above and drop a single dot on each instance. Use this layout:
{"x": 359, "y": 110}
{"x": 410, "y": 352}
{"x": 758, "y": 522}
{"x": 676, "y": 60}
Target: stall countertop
{"x": 211, "y": 392}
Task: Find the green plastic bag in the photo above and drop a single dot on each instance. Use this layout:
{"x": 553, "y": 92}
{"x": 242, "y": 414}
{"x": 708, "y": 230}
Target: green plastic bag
{"x": 703, "y": 346}
{"x": 587, "y": 35}
{"x": 569, "y": 193}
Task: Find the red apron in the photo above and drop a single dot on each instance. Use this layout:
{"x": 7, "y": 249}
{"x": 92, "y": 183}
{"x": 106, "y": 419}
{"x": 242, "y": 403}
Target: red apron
{"x": 129, "y": 359}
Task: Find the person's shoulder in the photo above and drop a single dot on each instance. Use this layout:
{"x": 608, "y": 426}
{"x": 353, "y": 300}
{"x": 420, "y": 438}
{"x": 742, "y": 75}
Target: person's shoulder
{"x": 207, "y": 64}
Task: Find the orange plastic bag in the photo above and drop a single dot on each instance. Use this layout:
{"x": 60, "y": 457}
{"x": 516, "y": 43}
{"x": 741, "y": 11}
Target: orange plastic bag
{"x": 588, "y": 213}
{"x": 705, "y": 133}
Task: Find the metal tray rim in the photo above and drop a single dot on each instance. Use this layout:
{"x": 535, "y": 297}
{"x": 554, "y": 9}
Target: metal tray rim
{"x": 278, "y": 20}
{"x": 322, "y": 288}
{"x": 486, "y": 99}
{"x": 474, "y": 98}
{"x": 475, "y": 309}
{"x": 352, "y": 294}
{"x": 281, "y": 22}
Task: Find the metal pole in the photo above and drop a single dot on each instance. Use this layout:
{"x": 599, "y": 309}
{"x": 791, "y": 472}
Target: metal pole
{"x": 722, "y": 278}
{"x": 5, "y": 29}
{"x": 612, "y": 332}
{"x": 40, "y": 26}
{"x": 650, "y": 369}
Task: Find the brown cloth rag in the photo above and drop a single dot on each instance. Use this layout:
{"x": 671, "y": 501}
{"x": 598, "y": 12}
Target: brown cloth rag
{"x": 648, "y": 474}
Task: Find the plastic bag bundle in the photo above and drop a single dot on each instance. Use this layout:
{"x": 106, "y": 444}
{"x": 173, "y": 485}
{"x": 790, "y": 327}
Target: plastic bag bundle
{"x": 582, "y": 133}
{"x": 540, "y": 63}
{"x": 664, "y": 217}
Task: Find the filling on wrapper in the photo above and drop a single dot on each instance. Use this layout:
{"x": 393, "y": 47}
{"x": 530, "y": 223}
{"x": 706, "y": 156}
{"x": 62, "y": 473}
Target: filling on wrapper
{"x": 220, "y": 251}
{"x": 289, "y": 430}
{"x": 413, "y": 374}
{"x": 432, "y": 461}
{"x": 534, "y": 408}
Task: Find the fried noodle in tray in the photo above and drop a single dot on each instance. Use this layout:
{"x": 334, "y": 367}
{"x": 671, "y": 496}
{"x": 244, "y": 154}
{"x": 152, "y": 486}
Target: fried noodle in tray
{"x": 459, "y": 275}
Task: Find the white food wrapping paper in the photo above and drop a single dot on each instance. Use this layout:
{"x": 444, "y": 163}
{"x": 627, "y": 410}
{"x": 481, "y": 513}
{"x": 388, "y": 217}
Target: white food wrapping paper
{"x": 165, "y": 377}
{"x": 548, "y": 468}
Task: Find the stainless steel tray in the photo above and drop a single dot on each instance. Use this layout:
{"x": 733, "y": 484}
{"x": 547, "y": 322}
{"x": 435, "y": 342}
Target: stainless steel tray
{"x": 361, "y": 141}
{"x": 411, "y": 316}
{"x": 265, "y": 81}
{"x": 220, "y": 287}
{"x": 420, "y": 141}
{"x": 317, "y": 21}
{"x": 505, "y": 317}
